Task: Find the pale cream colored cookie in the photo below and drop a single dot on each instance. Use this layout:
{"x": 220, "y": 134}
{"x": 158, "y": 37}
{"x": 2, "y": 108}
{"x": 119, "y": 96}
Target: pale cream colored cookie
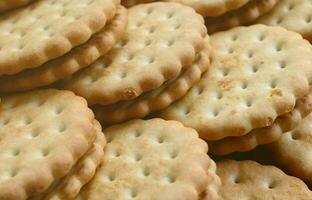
{"x": 48, "y": 29}
{"x": 293, "y": 150}
{"x": 78, "y": 58}
{"x": 257, "y": 74}
{"x": 242, "y": 16}
{"x": 295, "y": 15}
{"x": 11, "y": 4}
{"x": 159, "y": 98}
{"x": 264, "y": 135}
{"x": 152, "y": 159}
{"x": 244, "y": 180}
{"x": 204, "y": 7}
{"x": 42, "y": 135}
{"x": 160, "y": 39}
{"x": 68, "y": 187}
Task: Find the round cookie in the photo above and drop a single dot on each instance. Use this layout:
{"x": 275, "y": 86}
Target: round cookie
{"x": 69, "y": 186}
{"x": 6, "y": 5}
{"x": 159, "y": 40}
{"x": 292, "y": 150}
{"x": 43, "y": 134}
{"x": 159, "y": 98}
{"x": 257, "y": 73}
{"x": 66, "y": 65}
{"x": 204, "y": 7}
{"x": 250, "y": 180}
{"x": 266, "y": 135}
{"x": 48, "y": 29}
{"x": 294, "y": 15}
{"x": 152, "y": 159}
{"x": 242, "y": 16}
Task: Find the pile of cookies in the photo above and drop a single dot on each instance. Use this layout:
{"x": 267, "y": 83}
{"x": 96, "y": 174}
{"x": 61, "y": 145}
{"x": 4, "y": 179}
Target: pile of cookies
{"x": 120, "y": 100}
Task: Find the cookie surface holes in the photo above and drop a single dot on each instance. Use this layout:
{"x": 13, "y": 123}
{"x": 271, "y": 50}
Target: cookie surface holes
{"x": 273, "y": 84}
{"x": 171, "y": 178}
{"x": 149, "y": 11}
{"x": 133, "y": 193}
{"x": 111, "y": 177}
{"x": 219, "y": 95}
{"x": 4, "y": 122}
{"x": 294, "y": 136}
{"x": 244, "y": 85}
{"x": 62, "y": 127}
{"x": 237, "y": 180}
{"x": 174, "y": 154}
{"x": 129, "y": 57}
{"x": 150, "y": 60}
{"x": 13, "y": 173}
{"x": 147, "y": 42}
{"x": 138, "y": 157}
{"x": 186, "y": 111}
{"x": 290, "y": 7}
{"x": 15, "y": 152}
{"x": 123, "y": 75}
{"x": 271, "y": 185}
{"x": 137, "y": 134}
{"x": 170, "y": 15}
{"x": 254, "y": 68}
{"x": 250, "y": 54}
{"x": 35, "y": 133}
{"x": 151, "y": 29}
{"x": 248, "y": 103}
{"x": 116, "y": 153}
{"x": 145, "y": 171}
{"x": 278, "y": 47}
{"x": 308, "y": 19}
{"x": 45, "y": 152}
{"x": 27, "y": 121}
{"x": 160, "y": 139}
{"x": 261, "y": 37}
{"x": 225, "y": 72}
{"x": 234, "y": 37}
{"x": 170, "y": 42}
{"x": 177, "y": 26}
{"x": 282, "y": 65}
{"x": 198, "y": 90}
{"x": 59, "y": 110}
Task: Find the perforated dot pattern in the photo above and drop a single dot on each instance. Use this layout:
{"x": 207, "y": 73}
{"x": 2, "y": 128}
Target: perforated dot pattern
{"x": 159, "y": 40}
{"x": 47, "y": 29}
{"x": 250, "y": 180}
{"x": 235, "y": 98}
{"x": 42, "y": 134}
{"x": 295, "y": 15}
{"x": 149, "y": 160}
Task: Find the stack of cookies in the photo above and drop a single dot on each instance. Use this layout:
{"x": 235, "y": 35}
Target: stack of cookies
{"x": 45, "y": 136}
{"x": 257, "y": 87}
{"x": 47, "y": 41}
{"x": 232, "y": 91}
{"x": 162, "y": 55}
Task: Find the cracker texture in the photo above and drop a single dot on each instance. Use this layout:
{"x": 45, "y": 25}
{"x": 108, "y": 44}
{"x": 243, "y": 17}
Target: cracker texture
{"x": 159, "y": 40}
{"x": 43, "y": 134}
{"x": 48, "y": 29}
{"x": 149, "y": 160}
{"x": 266, "y": 135}
{"x": 69, "y": 186}
{"x": 159, "y": 98}
{"x": 292, "y": 151}
{"x": 294, "y": 15}
{"x": 257, "y": 74}
{"x": 250, "y": 180}
{"x": 78, "y": 58}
